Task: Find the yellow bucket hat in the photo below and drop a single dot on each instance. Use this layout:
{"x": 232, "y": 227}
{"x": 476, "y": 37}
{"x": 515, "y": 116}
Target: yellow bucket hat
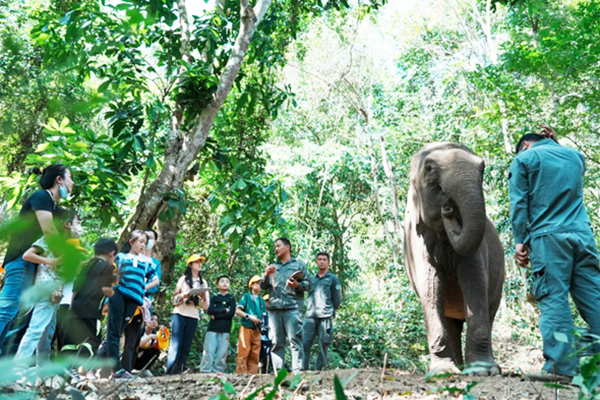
{"x": 195, "y": 257}
{"x": 255, "y": 278}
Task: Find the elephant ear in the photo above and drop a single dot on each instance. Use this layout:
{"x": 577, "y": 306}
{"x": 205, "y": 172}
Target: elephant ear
{"x": 414, "y": 193}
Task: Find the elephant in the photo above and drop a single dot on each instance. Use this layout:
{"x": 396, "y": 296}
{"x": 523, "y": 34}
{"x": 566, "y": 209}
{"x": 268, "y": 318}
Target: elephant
{"x": 453, "y": 256}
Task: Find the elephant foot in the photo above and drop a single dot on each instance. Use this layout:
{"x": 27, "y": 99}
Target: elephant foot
{"x": 482, "y": 368}
{"x": 443, "y": 366}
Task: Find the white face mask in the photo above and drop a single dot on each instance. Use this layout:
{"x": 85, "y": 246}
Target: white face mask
{"x": 76, "y": 231}
{"x": 150, "y": 244}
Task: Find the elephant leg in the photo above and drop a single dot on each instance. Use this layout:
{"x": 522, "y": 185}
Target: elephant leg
{"x": 440, "y": 347}
{"x": 454, "y": 328}
{"x": 473, "y": 280}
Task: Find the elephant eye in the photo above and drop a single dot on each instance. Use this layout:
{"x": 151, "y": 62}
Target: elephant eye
{"x": 428, "y": 168}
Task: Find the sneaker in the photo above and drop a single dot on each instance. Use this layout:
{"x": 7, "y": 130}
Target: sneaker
{"x": 73, "y": 374}
{"x": 122, "y": 375}
{"x": 546, "y": 376}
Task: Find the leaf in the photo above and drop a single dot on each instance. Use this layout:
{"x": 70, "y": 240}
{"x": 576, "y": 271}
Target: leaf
{"x": 135, "y": 16}
{"x": 281, "y": 375}
{"x": 239, "y": 184}
{"x": 561, "y": 337}
{"x": 256, "y": 392}
{"x": 228, "y": 387}
{"x": 339, "y": 390}
{"x": 295, "y": 381}
{"x": 557, "y": 386}
{"x": 350, "y": 378}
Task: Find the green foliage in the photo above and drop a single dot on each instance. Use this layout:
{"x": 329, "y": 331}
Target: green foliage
{"x": 29, "y": 92}
{"x": 339, "y": 389}
{"x": 100, "y": 193}
{"x": 588, "y": 378}
{"x": 367, "y": 328}
{"x": 333, "y": 198}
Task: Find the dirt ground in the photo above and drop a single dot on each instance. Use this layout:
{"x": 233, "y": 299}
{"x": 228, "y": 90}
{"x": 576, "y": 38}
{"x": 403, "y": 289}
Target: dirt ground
{"x": 516, "y": 359}
{"x": 361, "y": 384}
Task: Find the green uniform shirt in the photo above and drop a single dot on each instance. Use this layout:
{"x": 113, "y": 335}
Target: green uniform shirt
{"x": 281, "y": 296}
{"x": 325, "y": 296}
{"x": 546, "y": 191}
{"x": 252, "y": 305}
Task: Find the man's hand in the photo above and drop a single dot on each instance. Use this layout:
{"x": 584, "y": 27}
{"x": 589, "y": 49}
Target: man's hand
{"x": 292, "y": 283}
{"x": 254, "y": 320}
{"x": 270, "y": 270}
{"x": 522, "y": 255}
{"x": 548, "y": 132}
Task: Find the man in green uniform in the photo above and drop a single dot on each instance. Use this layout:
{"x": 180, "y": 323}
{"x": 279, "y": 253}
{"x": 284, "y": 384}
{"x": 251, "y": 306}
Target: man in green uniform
{"x": 551, "y": 226}
{"x": 324, "y": 298}
{"x": 287, "y": 280}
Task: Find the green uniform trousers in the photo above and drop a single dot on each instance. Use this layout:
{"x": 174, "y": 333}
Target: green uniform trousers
{"x": 563, "y": 263}
{"x": 286, "y": 324}
{"x": 324, "y": 329}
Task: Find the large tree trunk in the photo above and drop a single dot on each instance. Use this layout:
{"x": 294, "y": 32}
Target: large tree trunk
{"x": 182, "y": 147}
{"x": 165, "y": 249}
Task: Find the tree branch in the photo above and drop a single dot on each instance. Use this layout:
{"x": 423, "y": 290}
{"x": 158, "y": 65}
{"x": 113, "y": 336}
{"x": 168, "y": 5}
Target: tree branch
{"x": 185, "y": 31}
{"x": 250, "y": 18}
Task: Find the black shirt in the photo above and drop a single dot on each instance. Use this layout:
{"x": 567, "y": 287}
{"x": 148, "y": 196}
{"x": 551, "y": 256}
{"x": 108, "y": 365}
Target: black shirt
{"x": 20, "y": 242}
{"x": 88, "y": 299}
{"x": 223, "y": 310}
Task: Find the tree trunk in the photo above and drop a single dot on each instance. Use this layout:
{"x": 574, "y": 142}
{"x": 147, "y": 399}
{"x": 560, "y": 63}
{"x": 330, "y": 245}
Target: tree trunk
{"x": 398, "y": 231}
{"x": 182, "y": 147}
{"x": 387, "y": 234}
{"x": 165, "y": 249}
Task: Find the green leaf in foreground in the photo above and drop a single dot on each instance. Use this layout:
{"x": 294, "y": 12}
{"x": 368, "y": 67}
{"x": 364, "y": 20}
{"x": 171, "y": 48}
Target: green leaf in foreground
{"x": 339, "y": 390}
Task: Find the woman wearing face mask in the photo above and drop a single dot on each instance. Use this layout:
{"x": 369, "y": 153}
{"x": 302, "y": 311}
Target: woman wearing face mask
{"x": 149, "y": 252}
{"x": 36, "y": 216}
{"x": 134, "y": 327}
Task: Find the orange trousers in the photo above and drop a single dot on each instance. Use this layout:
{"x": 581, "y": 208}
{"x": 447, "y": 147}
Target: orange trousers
{"x": 248, "y": 351}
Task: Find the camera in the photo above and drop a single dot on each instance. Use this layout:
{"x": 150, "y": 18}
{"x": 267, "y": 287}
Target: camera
{"x": 263, "y": 329}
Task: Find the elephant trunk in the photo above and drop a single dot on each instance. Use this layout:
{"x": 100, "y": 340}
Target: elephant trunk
{"x": 464, "y": 214}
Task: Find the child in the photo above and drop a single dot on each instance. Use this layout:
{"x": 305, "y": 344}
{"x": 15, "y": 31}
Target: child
{"x": 265, "y": 341}
{"x": 251, "y": 309}
{"x": 133, "y": 330}
{"x": 128, "y": 296}
{"x": 43, "y": 319}
{"x": 148, "y": 350}
{"x": 91, "y": 287}
{"x": 216, "y": 341}
{"x": 186, "y": 314}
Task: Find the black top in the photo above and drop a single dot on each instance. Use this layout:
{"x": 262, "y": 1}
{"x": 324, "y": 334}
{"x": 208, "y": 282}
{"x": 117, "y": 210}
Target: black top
{"x": 222, "y": 308}
{"x": 88, "y": 299}
{"x": 20, "y": 242}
